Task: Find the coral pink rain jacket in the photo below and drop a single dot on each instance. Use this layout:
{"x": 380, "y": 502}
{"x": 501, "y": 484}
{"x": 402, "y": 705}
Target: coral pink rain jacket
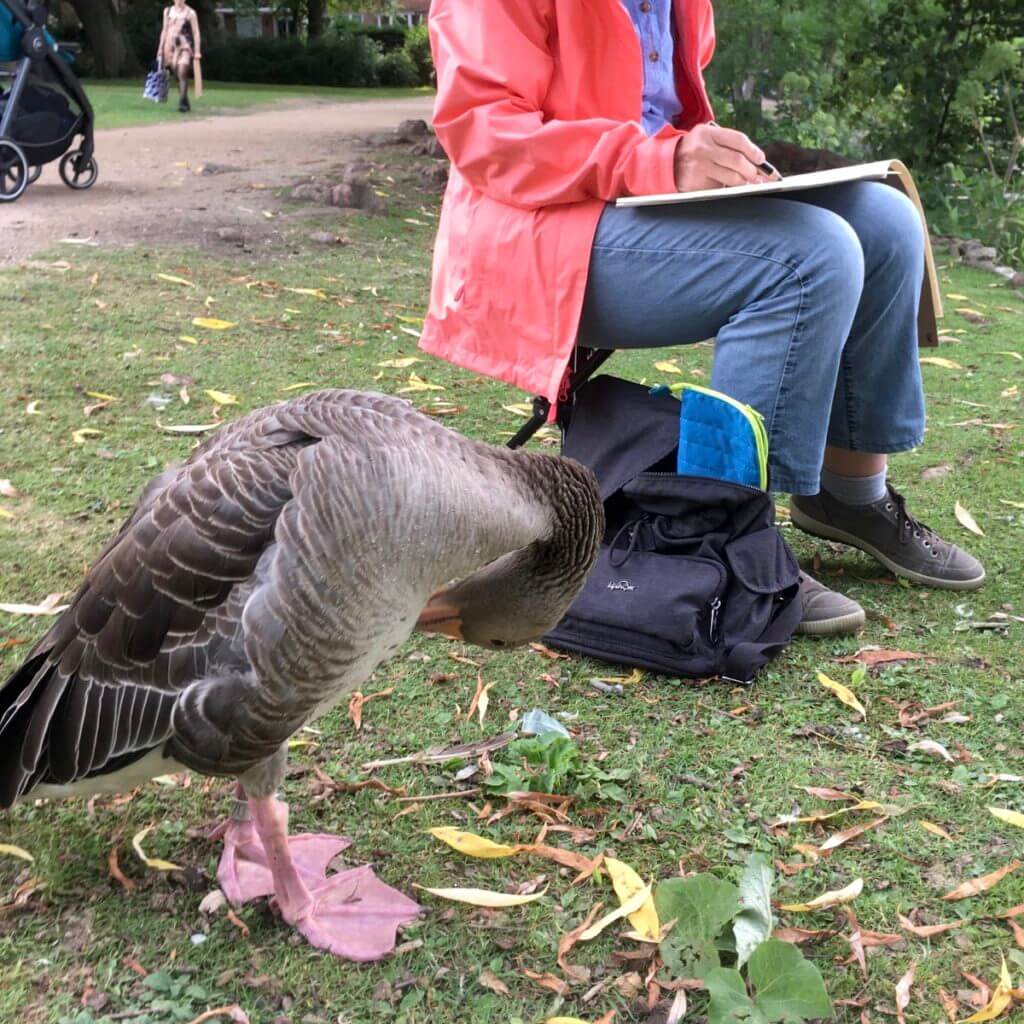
{"x": 538, "y": 107}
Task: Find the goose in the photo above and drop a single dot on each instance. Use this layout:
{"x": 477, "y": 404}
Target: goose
{"x": 256, "y": 584}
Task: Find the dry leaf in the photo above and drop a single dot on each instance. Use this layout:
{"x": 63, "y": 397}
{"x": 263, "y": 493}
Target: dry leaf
{"x": 313, "y": 293}
{"x": 480, "y": 701}
{"x": 234, "y": 1013}
{"x": 151, "y": 862}
{"x": 482, "y": 897}
{"x": 1001, "y": 999}
{"x": 844, "y": 693}
{"x": 188, "y": 339}
{"x": 187, "y": 428}
{"x": 222, "y": 397}
{"x": 677, "y": 1011}
{"x": 1012, "y": 355}
{"x": 826, "y": 793}
{"x": 211, "y": 323}
{"x": 8, "y": 490}
{"x": 626, "y": 909}
{"x": 490, "y": 980}
{"x": 946, "y": 364}
{"x": 976, "y": 885}
{"x": 171, "y": 279}
{"x": 32, "y": 409}
{"x": 79, "y": 436}
{"x": 798, "y": 935}
{"x": 957, "y": 298}
{"x": 551, "y": 982}
{"x": 806, "y": 819}
{"x": 627, "y": 883}
{"x": 667, "y": 366}
{"x": 936, "y": 830}
{"x": 473, "y": 845}
{"x": 837, "y": 840}
{"x": 903, "y": 993}
{"x": 872, "y": 656}
{"x": 400, "y": 364}
{"x": 1011, "y": 817}
{"x": 828, "y": 899}
{"x": 926, "y": 931}
{"x": 115, "y": 872}
{"x": 635, "y": 676}
{"x": 966, "y": 520}
{"x": 415, "y": 383}
{"x": 931, "y": 747}
{"x": 949, "y": 1005}
{"x": 6, "y": 849}
{"x": 569, "y": 939}
{"x": 359, "y": 700}
{"x": 50, "y": 605}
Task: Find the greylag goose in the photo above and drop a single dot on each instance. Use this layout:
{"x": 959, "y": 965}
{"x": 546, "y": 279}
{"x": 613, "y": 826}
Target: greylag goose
{"x": 256, "y": 584}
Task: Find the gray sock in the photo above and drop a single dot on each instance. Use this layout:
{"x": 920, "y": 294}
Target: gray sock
{"x": 854, "y": 490}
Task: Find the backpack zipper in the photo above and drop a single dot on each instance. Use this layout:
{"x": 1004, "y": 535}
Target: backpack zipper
{"x": 716, "y": 604}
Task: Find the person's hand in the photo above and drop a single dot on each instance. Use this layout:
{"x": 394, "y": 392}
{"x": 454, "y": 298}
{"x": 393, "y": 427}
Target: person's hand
{"x": 713, "y": 157}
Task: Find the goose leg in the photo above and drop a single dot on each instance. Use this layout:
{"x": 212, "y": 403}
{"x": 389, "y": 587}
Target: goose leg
{"x": 352, "y": 914}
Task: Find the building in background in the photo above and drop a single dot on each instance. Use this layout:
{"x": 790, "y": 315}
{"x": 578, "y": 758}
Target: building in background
{"x": 407, "y": 12}
{"x": 255, "y": 23}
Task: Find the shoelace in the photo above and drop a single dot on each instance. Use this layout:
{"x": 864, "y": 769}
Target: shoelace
{"x": 910, "y": 526}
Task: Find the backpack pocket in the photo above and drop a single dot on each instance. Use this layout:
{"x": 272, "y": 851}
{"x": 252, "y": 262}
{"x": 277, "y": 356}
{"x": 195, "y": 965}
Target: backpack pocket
{"x": 764, "y": 572}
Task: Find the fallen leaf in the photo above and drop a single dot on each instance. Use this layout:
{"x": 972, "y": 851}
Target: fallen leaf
{"x": 667, "y": 366}
{"x": 1011, "y": 817}
{"x": 949, "y": 1005}
{"x": 807, "y": 819}
{"x": 551, "y": 982}
{"x": 926, "y": 931}
{"x": 222, "y": 397}
{"x": 1001, "y": 999}
{"x": 677, "y": 1011}
{"x": 187, "y": 428}
{"x": 115, "y": 872}
{"x": 171, "y": 279}
{"x": 625, "y": 909}
{"x": 188, "y": 339}
{"x": 946, "y": 364}
{"x": 313, "y": 293}
{"x": 634, "y": 677}
{"x": 569, "y": 939}
{"x": 490, "y": 980}
{"x": 1012, "y": 355}
{"x": 957, "y": 298}
{"x": 151, "y": 862}
{"x": 826, "y": 793}
{"x": 400, "y": 364}
{"x": 359, "y": 700}
{"x": 856, "y": 942}
{"x": 837, "y": 840}
{"x": 6, "y": 849}
{"x": 833, "y": 898}
{"x": 872, "y": 656}
{"x": 32, "y": 409}
{"x": 966, "y": 520}
{"x": 903, "y": 993}
{"x": 8, "y": 490}
{"x": 627, "y": 883}
{"x": 936, "y": 830}
{"x": 844, "y": 693}
{"x": 50, "y": 605}
{"x": 473, "y": 845}
{"x": 482, "y": 897}
{"x": 234, "y": 1013}
{"x": 211, "y": 323}
{"x": 976, "y": 885}
{"x": 480, "y": 701}
{"x": 415, "y": 383}
{"x": 798, "y": 935}
{"x": 933, "y": 748}
{"x": 79, "y": 436}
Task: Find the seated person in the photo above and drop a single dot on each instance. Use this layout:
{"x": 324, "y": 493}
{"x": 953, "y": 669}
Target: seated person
{"x": 552, "y": 109}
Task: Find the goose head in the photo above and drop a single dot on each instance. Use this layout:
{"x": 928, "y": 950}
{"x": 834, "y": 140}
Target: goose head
{"x": 524, "y": 594}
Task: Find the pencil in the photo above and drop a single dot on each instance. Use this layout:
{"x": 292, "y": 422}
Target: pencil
{"x": 764, "y": 167}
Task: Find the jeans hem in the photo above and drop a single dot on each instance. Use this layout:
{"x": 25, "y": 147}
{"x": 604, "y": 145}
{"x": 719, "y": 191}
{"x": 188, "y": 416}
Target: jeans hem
{"x": 879, "y": 448}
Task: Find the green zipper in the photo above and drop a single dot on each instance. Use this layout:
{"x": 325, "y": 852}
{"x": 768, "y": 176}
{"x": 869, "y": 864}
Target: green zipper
{"x": 753, "y": 417}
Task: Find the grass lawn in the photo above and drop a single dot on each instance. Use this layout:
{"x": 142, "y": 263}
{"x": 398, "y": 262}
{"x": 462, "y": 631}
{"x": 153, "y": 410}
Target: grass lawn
{"x": 119, "y": 104}
{"x": 710, "y": 767}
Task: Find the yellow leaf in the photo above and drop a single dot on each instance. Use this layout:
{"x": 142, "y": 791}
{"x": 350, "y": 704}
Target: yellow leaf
{"x": 626, "y": 909}
{"x": 412, "y": 332}
{"x": 313, "y": 293}
{"x": 967, "y": 311}
{"x": 415, "y": 383}
{"x": 957, "y": 298}
{"x": 635, "y": 676}
{"x": 151, "y": 862}
{"x": 482, "y": 897}
{"x": 400, "y": 364}
{"x": 187, "y": 428}
{"x": 1012, "y": 355}
{"x": 966, "y": 520}
{"x": 829, "y": 899}
{"x": 16, "y": 851}
{"x": 1011, "y": 817}
{"x": 627, "y": 884}
{"x": 175, "y": 280}
{"x": 1012, "y": 504}
{"x": 473, "y": 845}
{"x": 844, "y": 693}
{"x": 519, "y": 409}
{"x": 300, "y": 385}
{"x": 946, "y": 364}
{"x": 100, "y": 396}
{"x": 32, "y": 409}
{"x": 211, "y": 323}
{"x": 936, "y": 830}
{"x": 79, "y": 436}
{"x": 667, "y": 366}
{"x": 6, "y": 514}
{"x": 188, "y": 338}
{"x": 410, "y": 319}
{"x": 222, "y": 397}
{"x": 1001, "y": 999}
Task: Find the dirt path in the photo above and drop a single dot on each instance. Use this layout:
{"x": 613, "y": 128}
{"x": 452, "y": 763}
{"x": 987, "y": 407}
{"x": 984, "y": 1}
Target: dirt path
{"x": 154, "y": 183}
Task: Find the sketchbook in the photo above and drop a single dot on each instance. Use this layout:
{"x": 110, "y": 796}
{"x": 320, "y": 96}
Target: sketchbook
{"x": 892, "y": 172}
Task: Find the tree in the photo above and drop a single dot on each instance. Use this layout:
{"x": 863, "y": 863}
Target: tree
{"x": 112, "y": 53}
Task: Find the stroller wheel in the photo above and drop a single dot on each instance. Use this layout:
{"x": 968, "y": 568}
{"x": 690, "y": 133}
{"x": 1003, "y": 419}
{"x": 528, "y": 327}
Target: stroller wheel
{"x": 34, "y": 173}
{"x": 13, "y": 171}
{"x": 78, "y": 172}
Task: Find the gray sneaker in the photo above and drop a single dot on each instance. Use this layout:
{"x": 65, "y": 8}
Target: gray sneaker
{"x": 886, "y": 530}
{"x": 826, "y": 613}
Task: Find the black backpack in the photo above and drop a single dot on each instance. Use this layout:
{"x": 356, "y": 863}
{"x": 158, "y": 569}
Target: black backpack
{"x": 693, "y": 579}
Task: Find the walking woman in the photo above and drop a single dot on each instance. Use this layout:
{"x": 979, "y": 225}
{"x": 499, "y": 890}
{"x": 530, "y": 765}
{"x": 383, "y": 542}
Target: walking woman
{"x": 179, "y": 49}
{"x": 552, "y": 109}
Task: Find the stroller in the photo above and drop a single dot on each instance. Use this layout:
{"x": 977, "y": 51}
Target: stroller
{"x": 38, "y": 118}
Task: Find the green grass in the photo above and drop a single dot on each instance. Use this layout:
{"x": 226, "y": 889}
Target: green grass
{"x": 705, "y": 784}
{"x": 119, "y": 104}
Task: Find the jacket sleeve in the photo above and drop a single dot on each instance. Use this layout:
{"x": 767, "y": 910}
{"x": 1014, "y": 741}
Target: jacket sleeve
{"x": 494, "y": 67}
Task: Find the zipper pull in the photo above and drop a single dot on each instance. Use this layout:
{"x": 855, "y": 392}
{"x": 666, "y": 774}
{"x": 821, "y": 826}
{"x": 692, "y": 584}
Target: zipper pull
{"x": 716, "y": 604}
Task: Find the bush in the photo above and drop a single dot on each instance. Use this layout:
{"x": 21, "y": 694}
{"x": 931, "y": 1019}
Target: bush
{"x": 339, "y": 60}
{"x": 417, "y": 48}
{"x": 396, "y": 68}
{"x": 387, "y": 37}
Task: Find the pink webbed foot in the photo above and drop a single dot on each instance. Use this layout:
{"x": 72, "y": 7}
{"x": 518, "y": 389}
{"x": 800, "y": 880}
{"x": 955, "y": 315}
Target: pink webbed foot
{"x": 244, "y": 872}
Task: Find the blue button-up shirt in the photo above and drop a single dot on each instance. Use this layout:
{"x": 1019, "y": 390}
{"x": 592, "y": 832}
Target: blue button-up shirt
{"x": 653, "y": 21}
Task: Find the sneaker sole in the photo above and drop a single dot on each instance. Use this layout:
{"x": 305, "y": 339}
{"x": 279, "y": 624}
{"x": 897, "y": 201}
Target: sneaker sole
{"x": 840, "y": 625}
{"x": 817, "y": 529}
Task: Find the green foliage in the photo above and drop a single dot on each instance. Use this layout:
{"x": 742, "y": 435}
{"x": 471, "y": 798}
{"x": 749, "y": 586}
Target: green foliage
{"x": 387, "y": 37}
{"x": 396, "y": 68}
{"x": 701, "y": 944}
{"x": 166, "y": 997}
{"x": 417, "y": 46}
{"x": 553, "y": 764}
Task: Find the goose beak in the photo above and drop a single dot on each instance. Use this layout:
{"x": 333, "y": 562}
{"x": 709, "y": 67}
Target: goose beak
{"x": 441, "y": 616}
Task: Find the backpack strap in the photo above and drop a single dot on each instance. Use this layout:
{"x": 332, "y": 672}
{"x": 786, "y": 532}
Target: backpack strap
{"x": 744, "y": 659}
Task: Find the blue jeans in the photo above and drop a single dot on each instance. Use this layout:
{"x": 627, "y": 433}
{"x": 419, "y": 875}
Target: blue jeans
{"x": 812, "y": 300}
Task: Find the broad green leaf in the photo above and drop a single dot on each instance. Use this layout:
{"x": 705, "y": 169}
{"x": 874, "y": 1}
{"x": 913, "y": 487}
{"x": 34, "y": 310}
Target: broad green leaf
{"x": 786, "y": 985}
{"x": 701, "y": 905}
{"x": 729, "y": 1000}
{"x": 754, "y": 922}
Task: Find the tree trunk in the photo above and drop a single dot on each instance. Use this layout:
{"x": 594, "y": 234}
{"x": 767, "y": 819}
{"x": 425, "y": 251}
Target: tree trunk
{"x": 314, "y": 18}
{"x": 111, "y": 53}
